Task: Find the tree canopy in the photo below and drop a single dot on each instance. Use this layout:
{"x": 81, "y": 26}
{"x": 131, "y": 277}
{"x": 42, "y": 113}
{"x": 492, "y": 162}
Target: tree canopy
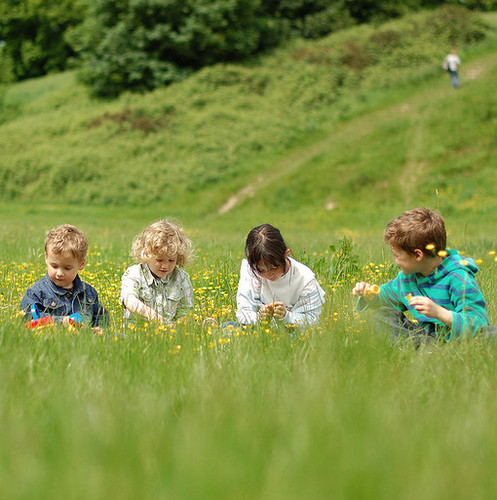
{"x": 139, "y": 45}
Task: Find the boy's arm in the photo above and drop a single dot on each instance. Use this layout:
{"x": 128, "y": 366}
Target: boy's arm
{"x": 427, "y": 307}
{"x": 470, "y": 309}
{"x": 100, "y": 315}
{"x": 466, "y": 311}
{"x": 389, "y": 294}
{"x": 30, "y": 298}
{"x": 33, "y": 297}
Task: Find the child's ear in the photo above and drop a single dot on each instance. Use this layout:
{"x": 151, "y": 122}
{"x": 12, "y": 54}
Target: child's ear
{"x": 82, "y": 264}
{"x": 418, "y": 254}
{"x": 287, "y": 252}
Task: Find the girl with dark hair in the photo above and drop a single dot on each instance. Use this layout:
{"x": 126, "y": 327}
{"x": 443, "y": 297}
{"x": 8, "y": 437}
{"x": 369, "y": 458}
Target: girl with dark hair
{"x": 273, "y": 286}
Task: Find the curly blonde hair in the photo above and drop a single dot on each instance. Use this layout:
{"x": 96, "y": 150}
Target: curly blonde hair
{"x": 163, "y": 238}
{"x": 67, "y": 239}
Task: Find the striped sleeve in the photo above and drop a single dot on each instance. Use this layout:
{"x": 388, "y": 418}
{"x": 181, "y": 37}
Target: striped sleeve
{"x": 391, "y": 293}
{"x": 469, "y": 309}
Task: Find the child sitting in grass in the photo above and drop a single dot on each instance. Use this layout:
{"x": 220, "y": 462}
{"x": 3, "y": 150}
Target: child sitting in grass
{"x": 157, "y": 288}
{"x": 61, "y": 293}
{"x": 273, "y": 286}
{"x": 437, "y": 286}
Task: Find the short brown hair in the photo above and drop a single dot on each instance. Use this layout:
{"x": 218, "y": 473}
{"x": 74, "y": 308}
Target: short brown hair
{"x": 419, "y": 228}
{"x": 67, "y": 239}
{"x": 162, "y": 238}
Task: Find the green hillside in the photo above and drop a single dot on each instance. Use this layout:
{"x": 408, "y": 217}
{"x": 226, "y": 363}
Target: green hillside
{"x": 315, "y": 132}
{"x": 327, "y": 140}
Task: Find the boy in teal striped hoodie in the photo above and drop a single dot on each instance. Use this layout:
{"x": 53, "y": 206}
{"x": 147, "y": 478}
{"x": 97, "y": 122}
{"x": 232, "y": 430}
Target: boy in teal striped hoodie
{"x": 435, "y": 287}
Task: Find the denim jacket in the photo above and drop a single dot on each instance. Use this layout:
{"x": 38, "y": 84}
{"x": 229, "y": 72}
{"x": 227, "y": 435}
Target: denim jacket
{"x": 53, "y": 300}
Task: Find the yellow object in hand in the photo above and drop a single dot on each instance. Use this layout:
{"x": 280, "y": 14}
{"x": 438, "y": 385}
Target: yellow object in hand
{"x": 373, "y": 290}
{"x": 408, "y": 296}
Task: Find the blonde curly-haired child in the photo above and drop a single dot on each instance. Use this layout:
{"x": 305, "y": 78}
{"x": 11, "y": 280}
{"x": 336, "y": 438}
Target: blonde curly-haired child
{"x": 157, "y": 288}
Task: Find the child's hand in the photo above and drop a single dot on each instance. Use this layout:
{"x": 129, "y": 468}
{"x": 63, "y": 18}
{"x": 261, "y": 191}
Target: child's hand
{"x": 363, "y": 289}
{"x": 279, "y": 310}
{"x": 426, "y": 306}
{"x": 266, "y": 312}
{"x": 155, "y": 316}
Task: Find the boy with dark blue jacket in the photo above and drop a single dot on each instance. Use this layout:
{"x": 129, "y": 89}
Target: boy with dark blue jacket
{"x": 61, "y": 292}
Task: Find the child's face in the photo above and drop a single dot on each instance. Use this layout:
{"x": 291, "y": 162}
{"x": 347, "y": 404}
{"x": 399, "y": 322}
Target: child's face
{"x": 409, "y": 263}
{"x": 163, "y": 265}
{"x": 269, "y": 271}
{"x": 63, "y": 268}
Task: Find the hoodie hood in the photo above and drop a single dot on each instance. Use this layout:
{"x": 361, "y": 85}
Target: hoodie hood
{"x": 453, "y": 262}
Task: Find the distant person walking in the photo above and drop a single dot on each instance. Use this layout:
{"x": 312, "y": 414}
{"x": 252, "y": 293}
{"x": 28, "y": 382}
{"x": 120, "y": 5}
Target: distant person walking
{"x": 450, "y": 64}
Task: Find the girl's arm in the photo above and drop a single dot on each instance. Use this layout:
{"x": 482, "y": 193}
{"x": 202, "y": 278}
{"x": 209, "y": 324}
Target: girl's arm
{"x": 308, "y": 308}
{"x": 247, "y": 299}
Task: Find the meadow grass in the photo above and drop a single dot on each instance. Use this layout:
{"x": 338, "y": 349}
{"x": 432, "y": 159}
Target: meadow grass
{"x": 183, "y": 412}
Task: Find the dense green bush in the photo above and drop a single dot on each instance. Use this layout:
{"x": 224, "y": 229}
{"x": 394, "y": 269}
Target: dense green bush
{"x": 33, "y": 33}
{"x": 140, "y": 45}
{"x": 144, "y": 44}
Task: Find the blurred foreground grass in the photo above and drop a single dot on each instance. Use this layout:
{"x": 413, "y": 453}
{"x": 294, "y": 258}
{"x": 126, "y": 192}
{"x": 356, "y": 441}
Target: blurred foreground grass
{"x": 334, "y": 412}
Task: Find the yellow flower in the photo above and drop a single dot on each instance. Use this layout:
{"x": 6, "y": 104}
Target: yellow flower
{"x": 492, "y": 252}
{"x": 464, "y": 262}
{"x": 430, "y": 246}
{"x": 408, "y": 296}
{"x": 442, "y": 253}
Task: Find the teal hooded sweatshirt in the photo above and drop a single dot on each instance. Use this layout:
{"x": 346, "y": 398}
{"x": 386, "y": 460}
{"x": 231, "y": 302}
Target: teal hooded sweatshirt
{"x": 451, "y": 285}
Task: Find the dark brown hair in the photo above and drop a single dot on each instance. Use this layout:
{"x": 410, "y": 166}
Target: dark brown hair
{"x": 265, "y": 244}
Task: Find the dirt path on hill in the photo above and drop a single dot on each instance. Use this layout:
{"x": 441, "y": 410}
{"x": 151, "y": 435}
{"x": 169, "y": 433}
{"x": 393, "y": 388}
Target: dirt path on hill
{"x": 365, "y": 124}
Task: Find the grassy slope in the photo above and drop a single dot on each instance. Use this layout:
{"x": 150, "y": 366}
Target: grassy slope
{"x": 280, "y": 129}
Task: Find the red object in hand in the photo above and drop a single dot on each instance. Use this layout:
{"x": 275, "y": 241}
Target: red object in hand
{"x": 44, "y": 321}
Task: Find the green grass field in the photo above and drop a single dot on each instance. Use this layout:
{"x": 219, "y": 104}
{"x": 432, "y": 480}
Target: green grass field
{"x": 334, "y": 412}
